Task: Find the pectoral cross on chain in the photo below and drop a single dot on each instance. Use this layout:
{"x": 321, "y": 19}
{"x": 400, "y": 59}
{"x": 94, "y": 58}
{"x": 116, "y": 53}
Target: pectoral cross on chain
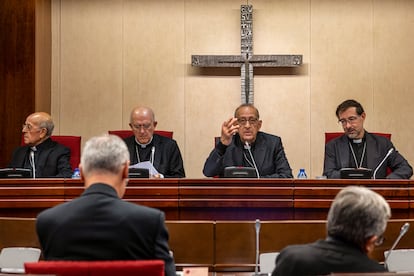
{"x": 246, "y": 61}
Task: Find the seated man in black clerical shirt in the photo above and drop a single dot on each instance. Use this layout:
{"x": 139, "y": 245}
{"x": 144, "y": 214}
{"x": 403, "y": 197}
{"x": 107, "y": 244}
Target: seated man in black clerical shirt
{"x": 162, "y": 152}
{"x": 44, "y": 157}
{"x": 356, "y": 222}
{"x": 358, "y": 148}
{"x": 239, "y": 135}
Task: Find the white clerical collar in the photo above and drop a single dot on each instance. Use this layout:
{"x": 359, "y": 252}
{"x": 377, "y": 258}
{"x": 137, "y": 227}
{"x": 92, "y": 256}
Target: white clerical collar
{"x": 357, "y": 141}
{"x": 143, "y": 145}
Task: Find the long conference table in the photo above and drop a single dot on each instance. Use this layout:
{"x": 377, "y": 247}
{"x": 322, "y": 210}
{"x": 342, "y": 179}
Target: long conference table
{"x": 210, "y": 198}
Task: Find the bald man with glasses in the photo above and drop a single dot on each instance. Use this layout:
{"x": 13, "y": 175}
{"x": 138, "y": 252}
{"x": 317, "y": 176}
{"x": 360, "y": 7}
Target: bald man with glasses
{"x": 44, "y": 157}
{"x": 242, "y": 144}
{"x": 358, "y": 148}
{"x": 162, "y": 152}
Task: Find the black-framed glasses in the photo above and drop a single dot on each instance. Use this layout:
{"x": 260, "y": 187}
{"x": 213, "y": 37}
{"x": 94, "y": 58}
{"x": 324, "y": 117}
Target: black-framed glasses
{"x": 351, "y": 120}
{"x": 243, "y": 121}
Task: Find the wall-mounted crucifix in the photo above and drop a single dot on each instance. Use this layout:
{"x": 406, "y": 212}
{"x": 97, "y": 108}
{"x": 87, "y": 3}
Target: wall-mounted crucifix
{"x": 246, "y": 61}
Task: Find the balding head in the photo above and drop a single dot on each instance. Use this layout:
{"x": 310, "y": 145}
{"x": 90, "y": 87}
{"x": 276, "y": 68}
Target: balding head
{"x": 142, "y": 123}
{"x": 44, "y": 120}
{"x": 142, "y": 112}
{"x": 37, "y": 128}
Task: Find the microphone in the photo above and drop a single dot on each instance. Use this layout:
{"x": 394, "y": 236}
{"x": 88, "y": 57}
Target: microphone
{"x": 32, "y": 163}
{"x": 152, "y": 155}
{"x": 403, "y": 230}
{"x": 257, "y": 226}
{"x": 247, "y": 146}
{"x": 383, "y": 160}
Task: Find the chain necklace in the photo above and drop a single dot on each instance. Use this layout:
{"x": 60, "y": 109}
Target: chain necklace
{"x": 362, "y": 157}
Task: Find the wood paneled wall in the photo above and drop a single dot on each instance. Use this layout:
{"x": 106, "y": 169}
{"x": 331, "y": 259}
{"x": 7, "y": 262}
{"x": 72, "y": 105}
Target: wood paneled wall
{"x": 17, "y": 71}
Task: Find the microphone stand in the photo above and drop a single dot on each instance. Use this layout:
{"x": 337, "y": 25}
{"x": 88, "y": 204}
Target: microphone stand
{"x": 403, "y": 230}
{"x": 383, "y": 160}
{"x": 256, "y": 269}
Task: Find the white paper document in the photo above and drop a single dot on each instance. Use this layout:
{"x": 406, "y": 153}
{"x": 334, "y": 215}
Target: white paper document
{"x": 145, "y": 165}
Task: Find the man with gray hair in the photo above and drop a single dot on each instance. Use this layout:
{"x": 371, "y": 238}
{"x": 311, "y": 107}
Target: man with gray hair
{"x": 40, "y": 154}
{"x": 145, "y": 145}
{"x": 99, "y": 225}
{"x": 356, "y": 222}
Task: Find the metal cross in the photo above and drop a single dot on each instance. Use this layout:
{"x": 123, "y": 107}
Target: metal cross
{"x": 246, "y": 61}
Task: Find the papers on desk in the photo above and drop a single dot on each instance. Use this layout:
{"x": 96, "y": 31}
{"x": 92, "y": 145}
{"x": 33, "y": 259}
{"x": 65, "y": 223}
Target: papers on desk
{"x": 12, "y": 270}
{"x": 145, "y": 165}
{"x": 193, "y": 271}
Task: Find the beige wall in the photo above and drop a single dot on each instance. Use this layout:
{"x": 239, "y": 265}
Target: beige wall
{"x": 109, "y": 55}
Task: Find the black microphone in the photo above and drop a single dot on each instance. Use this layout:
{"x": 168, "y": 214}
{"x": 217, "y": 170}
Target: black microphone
{"x": 257, "y": 226}
{"x": 403, "y": 230}
{"x": 247, "y": 146}
{"x": 383, "y": 160}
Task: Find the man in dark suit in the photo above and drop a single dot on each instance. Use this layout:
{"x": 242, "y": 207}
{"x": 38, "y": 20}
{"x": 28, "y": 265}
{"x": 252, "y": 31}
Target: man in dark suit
{"x": 44, "y": 157}
{"x": 240, "y": 132}
{"x": 358, "y": 148}
{"x": 356, "y": 222}
{"x": 99, "y": 225}
{"x": 162, "y": 152}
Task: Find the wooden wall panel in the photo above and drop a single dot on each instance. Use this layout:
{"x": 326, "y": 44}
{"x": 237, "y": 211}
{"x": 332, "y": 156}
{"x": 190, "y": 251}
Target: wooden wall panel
{"x": 17, "y": 71}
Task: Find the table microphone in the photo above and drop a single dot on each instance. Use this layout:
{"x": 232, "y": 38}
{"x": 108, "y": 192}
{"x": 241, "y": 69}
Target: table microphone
{"x": 403, "y": 230}
{"x": 247, "y": 146}
{"x": 383, "y": 160}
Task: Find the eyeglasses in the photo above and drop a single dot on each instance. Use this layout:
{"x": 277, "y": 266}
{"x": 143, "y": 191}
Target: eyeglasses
{"x": 243, "y": 121}
{"x": 28, "y": 127}
{"x": 380, "y": 240}
{"x": 351, "y": 120}
{"x": 143, "y": 126}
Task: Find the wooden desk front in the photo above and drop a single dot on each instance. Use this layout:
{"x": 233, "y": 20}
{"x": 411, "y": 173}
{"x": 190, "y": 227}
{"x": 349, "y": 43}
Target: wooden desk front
{"x": 210, "y": 198}
{"x": 220, "y": 245}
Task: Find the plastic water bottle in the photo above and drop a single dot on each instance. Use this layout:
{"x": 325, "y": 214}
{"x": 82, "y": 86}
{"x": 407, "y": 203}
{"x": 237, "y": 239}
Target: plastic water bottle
{"x": 302, "y": 174}
{"x": 76, "y": 174}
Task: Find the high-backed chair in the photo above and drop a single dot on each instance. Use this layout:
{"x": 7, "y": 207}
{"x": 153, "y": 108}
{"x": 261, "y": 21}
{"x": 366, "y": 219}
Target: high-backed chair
{"x": 127, "y": 133}
{"x": 73, "y": 143}
{"x": 97, "y": 268}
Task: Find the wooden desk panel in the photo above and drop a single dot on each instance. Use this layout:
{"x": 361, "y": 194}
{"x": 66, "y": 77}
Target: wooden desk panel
{"x": 236, "y": 199}
{"x": 221, "y": 245}
{"x": 235, "y": 246}
{"x": 210, "y": 198}
{"x": 18, "y": 232}
{"x": 396, "y": 183}
{"x": 192, "y": 243}
{"x": 27, "y": 197}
